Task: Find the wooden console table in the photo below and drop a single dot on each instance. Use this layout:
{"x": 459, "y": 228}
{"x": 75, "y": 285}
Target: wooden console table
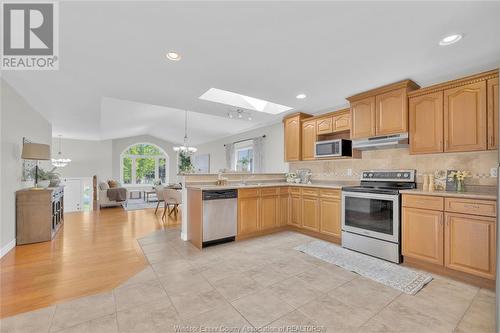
{"x": 39, "y": 214}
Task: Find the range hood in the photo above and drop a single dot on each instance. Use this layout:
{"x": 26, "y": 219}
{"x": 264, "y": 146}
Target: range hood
{"x": 382, "y": 142}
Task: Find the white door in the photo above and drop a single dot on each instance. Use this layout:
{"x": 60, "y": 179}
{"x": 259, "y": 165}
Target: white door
{"x": 72, "y": 194}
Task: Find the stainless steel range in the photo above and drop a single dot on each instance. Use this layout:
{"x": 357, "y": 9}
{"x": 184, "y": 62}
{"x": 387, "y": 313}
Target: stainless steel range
{"x": 371, "y": 213}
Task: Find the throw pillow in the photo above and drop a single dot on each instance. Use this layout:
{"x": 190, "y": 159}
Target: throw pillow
{"x": 112, "y": 183}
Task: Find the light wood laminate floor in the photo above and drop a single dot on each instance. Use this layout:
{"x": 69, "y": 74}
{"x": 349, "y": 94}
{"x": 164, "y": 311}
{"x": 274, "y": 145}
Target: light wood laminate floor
{"x": 92, "y": 253}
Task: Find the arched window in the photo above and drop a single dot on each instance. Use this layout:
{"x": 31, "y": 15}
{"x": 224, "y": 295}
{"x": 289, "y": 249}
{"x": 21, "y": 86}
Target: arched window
{"x": 144, "y": 163}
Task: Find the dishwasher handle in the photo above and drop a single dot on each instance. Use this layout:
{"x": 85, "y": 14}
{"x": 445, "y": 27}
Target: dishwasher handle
{"x": 219, "y": 194}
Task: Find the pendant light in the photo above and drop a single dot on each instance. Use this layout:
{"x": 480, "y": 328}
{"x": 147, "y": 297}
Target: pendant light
{"x": 185, "y": 147}
{"x": 60, "y": 161}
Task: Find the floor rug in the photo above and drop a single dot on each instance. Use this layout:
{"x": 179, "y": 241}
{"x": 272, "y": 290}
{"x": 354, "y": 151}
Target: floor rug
{"x": 136, "y": 204}
{"x": 398, "y": 277}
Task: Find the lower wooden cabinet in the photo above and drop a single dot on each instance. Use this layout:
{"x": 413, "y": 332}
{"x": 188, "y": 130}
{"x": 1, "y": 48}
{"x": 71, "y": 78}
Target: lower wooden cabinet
{"x": 248, "y": 215}
{"x": 470, "y": 244}
{"x": 330, "y": 221}
{"x": 310, "y": 213}
{"x": 269, "y": 209}
{"x": 295, "y": 210}
{"x": 422, "y": 233}
{"x": 284, "y": 211}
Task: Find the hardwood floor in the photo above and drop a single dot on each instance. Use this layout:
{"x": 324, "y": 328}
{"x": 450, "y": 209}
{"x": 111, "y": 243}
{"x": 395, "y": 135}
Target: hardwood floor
{"x": 92, "y": 253}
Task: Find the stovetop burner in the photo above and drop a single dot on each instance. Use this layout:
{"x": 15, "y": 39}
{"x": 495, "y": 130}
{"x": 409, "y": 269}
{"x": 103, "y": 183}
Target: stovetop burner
{"x": 384, "y": 181}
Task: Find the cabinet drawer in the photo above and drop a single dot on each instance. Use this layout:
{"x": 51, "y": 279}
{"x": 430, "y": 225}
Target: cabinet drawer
{"x": 295, "y": 190}
{"x": 284, "y": 190}
{"x": 310, "y": 191}
{"x": 269, "y": 191}
{"x": 423, "y": 201}
{"x": 326, "y": 193}
{"x": 471, "y": 206}
{"x": 248, "y": 193}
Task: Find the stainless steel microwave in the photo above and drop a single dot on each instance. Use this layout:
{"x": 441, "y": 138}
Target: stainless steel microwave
{"x": 333, "y": 148}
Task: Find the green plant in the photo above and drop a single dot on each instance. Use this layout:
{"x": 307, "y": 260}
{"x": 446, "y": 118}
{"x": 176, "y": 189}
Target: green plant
{"x": 46, "y": 175}
{"x": 185, "y": 165}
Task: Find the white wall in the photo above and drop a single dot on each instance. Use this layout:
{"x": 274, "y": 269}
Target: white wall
{"x": 119, "y": 145}
{"x": 18, "y": 120}
{"x": 88, "y": 158}
{"x": 273, "y": 156}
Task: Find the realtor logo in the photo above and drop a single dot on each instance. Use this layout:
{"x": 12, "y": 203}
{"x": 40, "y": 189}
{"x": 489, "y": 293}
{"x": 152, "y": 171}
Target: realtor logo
{"x": 30, "y": 36}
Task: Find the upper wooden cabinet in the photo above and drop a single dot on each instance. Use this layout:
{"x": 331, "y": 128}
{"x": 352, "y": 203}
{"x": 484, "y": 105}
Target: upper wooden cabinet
{"x": 324, "y": 125}
{"x": 493, "y": 107}
{"x": 465, "y": 118}
{"x": 308, "y": 139}
{"x": 381, "y": 111}
{"x": 455, "y": 116}
{"x": 341, "y": 121}
{"x": 293, "y": 134}
{"x": 426, "y": 123}
{"x": 363, "y": 118}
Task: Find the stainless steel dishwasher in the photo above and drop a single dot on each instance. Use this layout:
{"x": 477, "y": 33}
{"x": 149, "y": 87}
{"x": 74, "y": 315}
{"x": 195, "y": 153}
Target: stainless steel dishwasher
{"x": 219, "y": 216}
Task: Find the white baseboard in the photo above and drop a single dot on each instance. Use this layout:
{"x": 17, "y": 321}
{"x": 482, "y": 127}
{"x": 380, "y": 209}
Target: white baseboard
{"x": 7, "y": 248}
{"x": 184, "y": 236}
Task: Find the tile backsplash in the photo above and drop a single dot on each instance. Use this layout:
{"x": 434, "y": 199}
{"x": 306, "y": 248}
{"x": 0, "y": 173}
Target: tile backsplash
{"x": 478, "y": 163}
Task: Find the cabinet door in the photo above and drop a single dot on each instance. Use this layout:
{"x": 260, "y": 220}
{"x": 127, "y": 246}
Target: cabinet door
{"x": 426, "y": 123}
{"x": 422, "y": 232}
{"x": 391, "y": 112}
{"x": 284, "y": 208}
{"x": 465, "y": 118}
{"x": 248, "y": 215}
{"x": 363, "y": 118}
{"x": 269, "y": 212}
{"x": 310, "y": 213}
{"x": 324, "y": 126}
{"x": 342, "y": 122}
{"x": 295, "y": 211}
{"x": 329, "y": 217}
{"x": 493, "y": 113}
{"x": 292, "y": 138}
{"x": 308, "y": 139}
{"x": 470, "y": 243}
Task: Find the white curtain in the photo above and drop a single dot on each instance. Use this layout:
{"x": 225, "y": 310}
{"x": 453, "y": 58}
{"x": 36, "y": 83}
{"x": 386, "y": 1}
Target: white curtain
{"x": 258, "y": 154}
{"x": 230, "y": 163}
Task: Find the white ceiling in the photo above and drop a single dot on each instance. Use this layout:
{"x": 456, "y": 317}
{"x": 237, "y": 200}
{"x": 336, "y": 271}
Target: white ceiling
{"x": 114, "y": 79}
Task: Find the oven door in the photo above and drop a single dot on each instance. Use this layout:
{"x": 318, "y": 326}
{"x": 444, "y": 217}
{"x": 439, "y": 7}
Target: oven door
{"x": 330, "y": 148}
{"x": 372, "y": 215}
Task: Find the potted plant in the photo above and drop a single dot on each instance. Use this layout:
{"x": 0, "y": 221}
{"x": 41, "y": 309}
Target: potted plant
{"x": 185, "y": 165}
{"x": 47, "y": 178}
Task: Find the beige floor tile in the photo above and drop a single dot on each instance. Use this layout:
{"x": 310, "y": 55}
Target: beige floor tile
{"x": 365, "y": 294}
{"x": 292, "y": 319}
{"x": 262, "y": 307}
{"x": 172, "y": 267}
{"x": 224, "y": 315}
{"x": 138, "y": 293}
{"x": 398, "y": 317}
{"x": 163, "y": 256}
{"x": 324, "y": 279}
{"x": 105, "y": 324}
{"x": 295, "y": 291}
{"x": 155, "y": 317}
{"x": 292, "y": 266}
{"x": 82, "y": 310}
{"x": 146, "y": 275}
{"x": 221, "y": 271}
{"x": 236, "y": 286}
{"x": 159, "y": 246}
{"x": 37, "y": 321}
{"x": 190, "y": 305}
{"x": 185, "y": 283}
{"x": 330, "y": 312}
{"x": 266, "y": 275}
{"x": 480, "y": 317}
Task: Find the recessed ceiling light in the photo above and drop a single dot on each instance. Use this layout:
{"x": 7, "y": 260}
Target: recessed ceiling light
{"x": 174, "y": 56}
{"x": 301, "y": 96}
{"x": 450, "y": 39}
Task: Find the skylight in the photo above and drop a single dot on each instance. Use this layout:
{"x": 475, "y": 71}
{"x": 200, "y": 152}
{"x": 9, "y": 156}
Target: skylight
{"x": 242, "y": 101}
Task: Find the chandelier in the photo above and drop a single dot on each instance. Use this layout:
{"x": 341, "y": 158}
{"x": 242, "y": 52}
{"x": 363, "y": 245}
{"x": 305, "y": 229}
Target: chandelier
{"x": 239, "y": 114}
{"x": 60, "y": 161}
{"x": 185, "y": 147}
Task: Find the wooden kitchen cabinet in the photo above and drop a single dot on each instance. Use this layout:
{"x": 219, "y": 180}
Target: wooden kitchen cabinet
{"x": 248, "y": 211}
{"x": 493, "y": 107}
{"x": 269, "y": 208}
{"x": 295, "y": 210}
{"x": 422, "y": 235}
{"x": 330, "y": 219}
{"x": 284, "y": 207}
{"x": 470, "y": 244}
{"x": 341, "y": 122}
{"x": 426, "y": 123}
{"x": 465, "y": 118}
{"x": 363, "y": 118}
{"x": 308, "y": 140}
{"x": 391, "y": 112}
{"x": 324, "y": 126}
{"x": 293, "y": 136}
{"x": 310, "y": 213}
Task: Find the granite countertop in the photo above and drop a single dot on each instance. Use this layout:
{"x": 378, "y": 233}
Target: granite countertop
{"x": 330, "y": 185}
{"x": 488, "y": 193}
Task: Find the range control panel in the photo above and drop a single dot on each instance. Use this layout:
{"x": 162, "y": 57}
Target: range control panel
{"x": 389, "y": 175}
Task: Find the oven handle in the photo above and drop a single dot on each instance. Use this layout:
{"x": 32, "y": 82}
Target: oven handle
{"x": 390, "y": 197}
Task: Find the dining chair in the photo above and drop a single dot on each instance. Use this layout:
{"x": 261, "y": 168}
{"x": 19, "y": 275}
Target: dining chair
{"x": 171, "y": 197}
{"x": 159, "y": 189}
